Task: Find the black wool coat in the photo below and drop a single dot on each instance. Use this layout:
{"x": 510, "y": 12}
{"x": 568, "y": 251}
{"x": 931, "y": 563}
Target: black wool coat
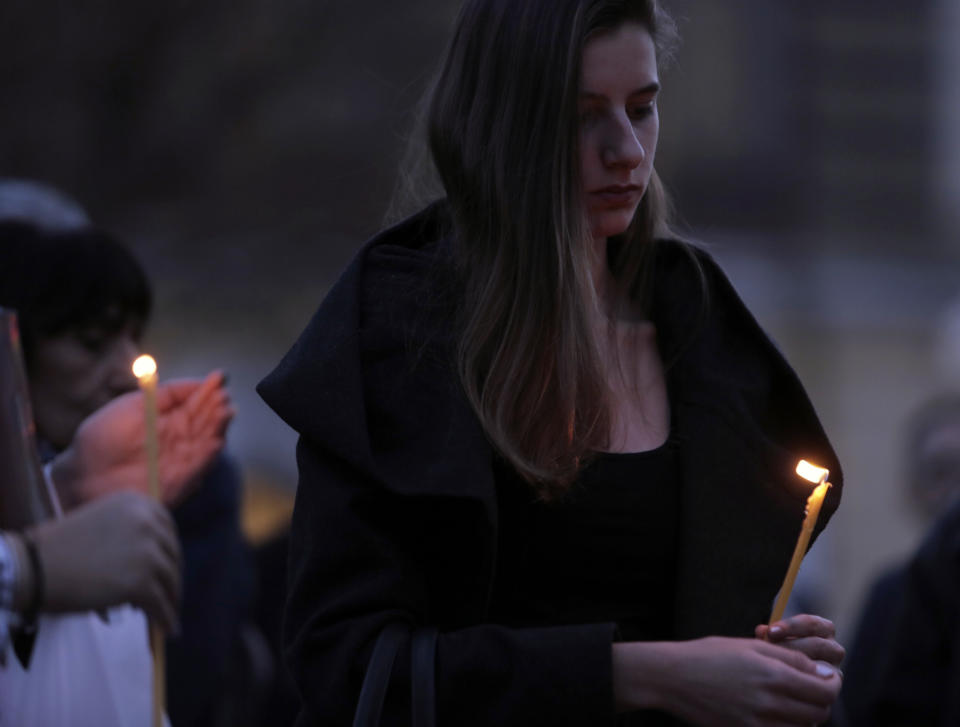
{"x": 396, "y": 511}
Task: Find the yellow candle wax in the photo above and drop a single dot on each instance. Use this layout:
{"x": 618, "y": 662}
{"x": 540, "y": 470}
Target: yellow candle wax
{"x": 813, "y": 474}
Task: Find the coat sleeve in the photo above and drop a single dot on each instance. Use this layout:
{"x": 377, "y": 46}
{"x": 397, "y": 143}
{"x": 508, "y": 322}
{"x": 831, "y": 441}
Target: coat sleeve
{"x": 362, "y": 556}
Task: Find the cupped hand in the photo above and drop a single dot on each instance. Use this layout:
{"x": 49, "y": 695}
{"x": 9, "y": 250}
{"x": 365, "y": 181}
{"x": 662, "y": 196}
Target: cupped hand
{"x": 121, "y": 548}
{"x": 812, "y": 635}
{"x": 108, "y": 454}
{"x": 733, "y": 682}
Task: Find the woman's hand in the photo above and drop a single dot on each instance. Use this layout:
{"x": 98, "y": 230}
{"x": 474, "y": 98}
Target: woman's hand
{"x": 721, "y": 681}
{"x": 814, "y": 636}
{"x": 118, "y": 549}
{"x": 107, "y": 454}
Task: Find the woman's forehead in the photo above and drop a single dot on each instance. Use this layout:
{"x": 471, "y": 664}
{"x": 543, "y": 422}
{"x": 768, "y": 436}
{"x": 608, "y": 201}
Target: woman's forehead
{"x": 619, "y": 59}
{"x": 112, "y": 319}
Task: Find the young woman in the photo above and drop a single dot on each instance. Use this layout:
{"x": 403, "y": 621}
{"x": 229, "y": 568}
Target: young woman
{"x": 532, "y": 420}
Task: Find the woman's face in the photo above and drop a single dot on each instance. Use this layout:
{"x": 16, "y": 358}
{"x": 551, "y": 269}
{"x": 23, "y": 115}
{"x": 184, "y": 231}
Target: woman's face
{"x": 75, "y": 373}
{"x": 619, "y": 125}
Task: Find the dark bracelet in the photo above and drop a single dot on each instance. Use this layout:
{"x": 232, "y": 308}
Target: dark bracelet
{"x": 39, "y": 584}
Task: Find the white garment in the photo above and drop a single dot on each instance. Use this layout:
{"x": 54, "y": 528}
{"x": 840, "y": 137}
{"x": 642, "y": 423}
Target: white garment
{"x": 83, "y": 673}
{"x": 8, "y": 577}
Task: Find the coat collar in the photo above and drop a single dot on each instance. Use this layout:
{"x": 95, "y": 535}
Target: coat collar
{"x": 356, "y": 386}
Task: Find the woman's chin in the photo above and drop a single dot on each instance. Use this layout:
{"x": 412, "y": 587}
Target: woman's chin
{"x": 611, "y": 223}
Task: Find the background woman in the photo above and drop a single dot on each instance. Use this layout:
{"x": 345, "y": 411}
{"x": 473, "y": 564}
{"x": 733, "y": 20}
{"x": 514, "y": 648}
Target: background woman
{"x": 83, "y": 302}
{"x": 530, "y": 418}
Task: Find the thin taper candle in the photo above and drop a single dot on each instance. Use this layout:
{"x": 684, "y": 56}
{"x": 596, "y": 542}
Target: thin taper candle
{"x": 145, "y": 369}
{"x": 814, "y": 502}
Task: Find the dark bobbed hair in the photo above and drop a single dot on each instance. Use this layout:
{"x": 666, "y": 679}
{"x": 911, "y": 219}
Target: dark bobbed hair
{"x": 68, "y": 281}
{"x": 503, "y": 134}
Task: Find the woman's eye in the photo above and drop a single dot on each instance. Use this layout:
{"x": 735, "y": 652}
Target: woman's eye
{"x": 587, "y": 115}
{"x": 641, "y": 112}
{"x": 92, "y": 341}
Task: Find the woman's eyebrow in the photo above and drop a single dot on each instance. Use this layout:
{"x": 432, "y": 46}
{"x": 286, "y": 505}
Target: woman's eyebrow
{"x": 649, "y": 89}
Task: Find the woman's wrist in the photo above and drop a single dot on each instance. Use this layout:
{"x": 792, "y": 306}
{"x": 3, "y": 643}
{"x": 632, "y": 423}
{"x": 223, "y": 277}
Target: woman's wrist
{"x": 641, "y": 674}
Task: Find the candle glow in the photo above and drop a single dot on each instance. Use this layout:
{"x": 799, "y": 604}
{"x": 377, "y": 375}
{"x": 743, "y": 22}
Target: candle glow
{"x": 811, "y": 472}
{"x": 144, "y": 366}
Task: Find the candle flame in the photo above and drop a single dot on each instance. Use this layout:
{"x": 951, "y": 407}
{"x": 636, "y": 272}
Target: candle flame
{"x": 144, "y": 366}
{"x": 811, "y": 472}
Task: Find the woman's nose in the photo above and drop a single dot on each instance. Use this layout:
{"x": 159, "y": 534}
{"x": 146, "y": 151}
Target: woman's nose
{"x": 623, "y": 148}
{"x": 121, "y": 360}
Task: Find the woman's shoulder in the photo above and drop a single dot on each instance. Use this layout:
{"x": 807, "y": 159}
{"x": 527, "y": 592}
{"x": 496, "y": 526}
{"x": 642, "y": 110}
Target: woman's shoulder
{"x": 678, "y": 258}
{"x": 416, "y": 237}
{"x": 409, "y": 249}
{"x": 367, "y": 315}
{"x": 694, "y": 294}
{"x": 405, "y": 274}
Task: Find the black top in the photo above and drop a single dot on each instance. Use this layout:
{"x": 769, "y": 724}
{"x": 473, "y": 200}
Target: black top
{"x": 606, "y": 551}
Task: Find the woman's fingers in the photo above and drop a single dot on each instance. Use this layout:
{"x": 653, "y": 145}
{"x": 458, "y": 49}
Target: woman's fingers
{"x": 177, "y": 392}
{"x": 199, "y": 405}
{"x": 192, "y": 430}
{"x": 807, "y": 634}
{"x": 209, "y": 410}
{"x": 801, "y": 677}
{"x": 818, "y": 649}
{"x": 802, "y": 625}
{"x": 207, "y": 394}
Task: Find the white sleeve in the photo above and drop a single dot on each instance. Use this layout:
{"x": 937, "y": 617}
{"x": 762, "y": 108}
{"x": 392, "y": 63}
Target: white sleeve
{"x": 8, "y": 576}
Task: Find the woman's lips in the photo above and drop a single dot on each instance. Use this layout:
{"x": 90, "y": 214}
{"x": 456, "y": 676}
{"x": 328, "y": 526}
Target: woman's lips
{"x": 618, "y": 195}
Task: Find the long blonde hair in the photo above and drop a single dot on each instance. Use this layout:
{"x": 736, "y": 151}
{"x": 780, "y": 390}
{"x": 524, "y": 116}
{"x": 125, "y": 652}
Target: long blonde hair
{"x": 504, "y": 139}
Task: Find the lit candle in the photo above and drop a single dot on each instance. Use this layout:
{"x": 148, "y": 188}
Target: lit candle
{"x": 813, "y": 474}
{"x": 145, "y": 369}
